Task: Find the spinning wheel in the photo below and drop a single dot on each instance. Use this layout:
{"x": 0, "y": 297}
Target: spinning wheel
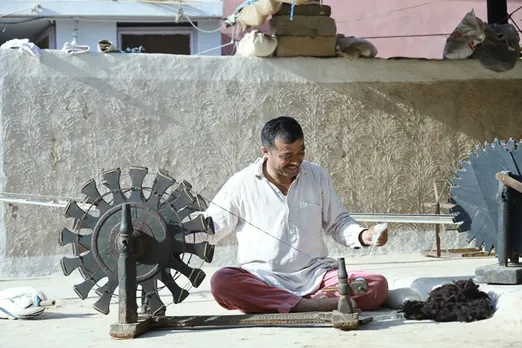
{"x": 138, "y": 238}
{"x": 476, "y": 189}
{"x": 487, "y": 194}
{"x": 161, "y": 220}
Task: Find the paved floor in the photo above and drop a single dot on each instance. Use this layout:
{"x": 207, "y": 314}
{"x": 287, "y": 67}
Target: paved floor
{"x": 74, "y": 323}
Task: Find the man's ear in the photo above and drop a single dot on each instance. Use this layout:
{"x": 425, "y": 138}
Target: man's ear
{"x": 264, "y": 150}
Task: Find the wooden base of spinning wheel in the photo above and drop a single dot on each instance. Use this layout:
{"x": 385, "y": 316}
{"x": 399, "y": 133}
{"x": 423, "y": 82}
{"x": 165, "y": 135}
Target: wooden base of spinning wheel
{"x": 335, "y": 319}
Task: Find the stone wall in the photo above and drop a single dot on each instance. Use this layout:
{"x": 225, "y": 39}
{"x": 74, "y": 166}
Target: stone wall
{"x": 383, "y": 129}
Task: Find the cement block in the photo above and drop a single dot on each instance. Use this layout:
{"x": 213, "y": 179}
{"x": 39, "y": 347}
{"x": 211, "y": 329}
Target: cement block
{"x": 495, "y": 274}
{"x": 303, "y": 26}
{"x": 305, "y": 46}
{"x": 305, "y": 10}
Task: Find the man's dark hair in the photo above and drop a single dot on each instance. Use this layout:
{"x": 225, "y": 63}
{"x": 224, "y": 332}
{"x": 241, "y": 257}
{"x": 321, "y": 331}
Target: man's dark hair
{"x": 286, "y": 128}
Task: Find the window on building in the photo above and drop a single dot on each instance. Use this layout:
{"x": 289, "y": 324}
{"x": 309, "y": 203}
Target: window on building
{"x": 158, "y": 39}
{"x": 46, "y": 39}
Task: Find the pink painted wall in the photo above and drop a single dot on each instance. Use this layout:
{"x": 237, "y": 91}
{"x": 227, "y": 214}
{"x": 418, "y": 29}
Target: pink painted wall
{"x": 375, "y": 19}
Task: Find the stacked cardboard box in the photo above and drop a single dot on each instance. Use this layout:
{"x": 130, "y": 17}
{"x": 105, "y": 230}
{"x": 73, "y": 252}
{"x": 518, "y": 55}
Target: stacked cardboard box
{"x": 310, "y": 33}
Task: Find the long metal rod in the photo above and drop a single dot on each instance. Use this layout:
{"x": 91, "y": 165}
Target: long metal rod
{"x": 44, "y": 203}
{"x": 49, "y": 203}
{"x": 430, "y": 219}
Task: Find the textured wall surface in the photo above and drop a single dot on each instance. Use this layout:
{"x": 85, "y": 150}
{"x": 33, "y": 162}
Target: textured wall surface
{"x": 384, "y": 130}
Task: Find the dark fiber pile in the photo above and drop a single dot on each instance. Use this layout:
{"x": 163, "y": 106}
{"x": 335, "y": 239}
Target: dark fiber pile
{"x": 460, "y": 301}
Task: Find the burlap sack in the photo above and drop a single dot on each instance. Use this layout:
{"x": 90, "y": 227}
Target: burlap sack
{"x": 256, "y": 44}
{"x": 256, "y": 14}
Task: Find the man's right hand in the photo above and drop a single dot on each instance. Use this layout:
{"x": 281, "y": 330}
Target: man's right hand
{"x": 368, "y": 235}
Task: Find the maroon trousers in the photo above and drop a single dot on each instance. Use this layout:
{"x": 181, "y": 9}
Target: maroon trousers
{"x": 237, "y": 289}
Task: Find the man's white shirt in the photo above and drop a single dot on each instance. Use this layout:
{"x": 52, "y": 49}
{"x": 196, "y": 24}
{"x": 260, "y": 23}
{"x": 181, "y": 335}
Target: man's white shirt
{"x": 279, "y": 237}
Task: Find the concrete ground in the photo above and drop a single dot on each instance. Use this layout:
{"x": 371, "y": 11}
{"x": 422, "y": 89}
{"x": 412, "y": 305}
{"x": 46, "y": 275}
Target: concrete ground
{"x": 74, "y": 323}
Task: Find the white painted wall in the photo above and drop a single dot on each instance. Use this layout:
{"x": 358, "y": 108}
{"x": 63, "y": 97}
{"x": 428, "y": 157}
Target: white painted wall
{"x": 91, "y": 31}
{"x": 209, "y": 41}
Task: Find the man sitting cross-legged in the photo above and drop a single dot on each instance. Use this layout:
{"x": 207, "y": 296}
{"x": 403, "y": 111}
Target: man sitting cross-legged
{"x": 277, "y": 207}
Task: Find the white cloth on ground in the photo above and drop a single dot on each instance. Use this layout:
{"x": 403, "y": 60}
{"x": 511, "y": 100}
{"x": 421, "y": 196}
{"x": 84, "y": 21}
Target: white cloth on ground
{"x": 25, "y": 45}
{"x": 75, "y": 49}
{"x": 21, "y": 303}
{"x": 295, "y": 257}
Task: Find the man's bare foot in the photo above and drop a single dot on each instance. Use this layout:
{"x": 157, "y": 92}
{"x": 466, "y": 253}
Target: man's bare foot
{"x": 319, "y": 304}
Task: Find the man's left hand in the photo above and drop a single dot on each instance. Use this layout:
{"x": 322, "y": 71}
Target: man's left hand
{"x": 368, "y": 236}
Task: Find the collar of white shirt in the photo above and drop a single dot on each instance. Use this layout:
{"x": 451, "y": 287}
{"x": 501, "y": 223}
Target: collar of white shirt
{"x": 258, "y": 168}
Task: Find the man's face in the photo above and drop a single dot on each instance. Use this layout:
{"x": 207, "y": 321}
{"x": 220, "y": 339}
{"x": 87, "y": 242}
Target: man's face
{"x": 285, "y": 159}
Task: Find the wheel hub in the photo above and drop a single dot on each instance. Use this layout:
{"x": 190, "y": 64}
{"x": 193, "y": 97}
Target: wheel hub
{"x": 152, "y": 245}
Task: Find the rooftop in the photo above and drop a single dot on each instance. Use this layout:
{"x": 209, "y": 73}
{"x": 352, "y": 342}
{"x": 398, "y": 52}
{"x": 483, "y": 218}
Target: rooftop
{"x": 73, "y": 321}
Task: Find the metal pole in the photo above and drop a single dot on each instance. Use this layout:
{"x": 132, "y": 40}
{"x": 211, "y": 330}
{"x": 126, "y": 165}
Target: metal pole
{"x": 344, "y": 305}
{"x": 497, "y": 11}
{"x": 437, "y": 212}
{"x": 128, "y": 307}
{"x": 504, "y": 222}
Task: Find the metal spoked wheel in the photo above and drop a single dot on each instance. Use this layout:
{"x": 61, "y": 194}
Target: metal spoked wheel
{"x": 162, "y": 218}
{"x": 475, "y": 189}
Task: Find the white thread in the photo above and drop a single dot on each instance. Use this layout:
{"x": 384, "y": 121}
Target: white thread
{"x": 201, "y": 30}
{"x": 379, "y": 229}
